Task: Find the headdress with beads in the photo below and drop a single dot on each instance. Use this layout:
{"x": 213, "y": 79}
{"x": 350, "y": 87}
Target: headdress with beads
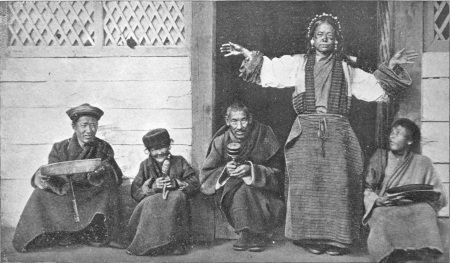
{"x": 339, "y": 37}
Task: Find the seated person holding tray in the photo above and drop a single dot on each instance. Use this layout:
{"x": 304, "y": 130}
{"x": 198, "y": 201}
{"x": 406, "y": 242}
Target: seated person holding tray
{"x": 402, "y": 196}
{"x": 71, "y": 205}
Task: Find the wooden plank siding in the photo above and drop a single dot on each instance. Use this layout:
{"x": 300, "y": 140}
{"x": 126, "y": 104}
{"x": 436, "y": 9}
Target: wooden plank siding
{"x": 27, "y": 102}
{"x": 435, "y": 64}
{"x": 435, "y": 95}
{"x": 136, "y": 94}
{"x": 97, "y": 69}
{"x": 435, "y": 114}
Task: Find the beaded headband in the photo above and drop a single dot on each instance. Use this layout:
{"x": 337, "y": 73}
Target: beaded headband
{"x": 319, "y": 17}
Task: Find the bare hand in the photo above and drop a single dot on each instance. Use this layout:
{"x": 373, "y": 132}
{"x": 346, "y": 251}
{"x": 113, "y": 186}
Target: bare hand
{"x": 170, "y": 183}
{"x": 232, "y": 49}
{"x": 231, "y": 166}
{"x": 403, "y": 57}
{"x": 242, "y": 170}
{"x": 97, "y": 172}
{"x": 44, "y": 178}
{"x": 159, "y": 182}
{"x": 146, "y": 187}
{"x": 41, "y": 180}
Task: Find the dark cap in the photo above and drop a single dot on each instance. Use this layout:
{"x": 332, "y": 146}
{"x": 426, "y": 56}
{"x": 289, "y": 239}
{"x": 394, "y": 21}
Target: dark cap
{"x": 156, "y": 138}
{"x": 84, "y": 110}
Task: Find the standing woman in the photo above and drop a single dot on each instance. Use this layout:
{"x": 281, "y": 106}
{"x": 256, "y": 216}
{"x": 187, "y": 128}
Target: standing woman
{"x": 403, "y": 223}
{"x": 323, "y": 157}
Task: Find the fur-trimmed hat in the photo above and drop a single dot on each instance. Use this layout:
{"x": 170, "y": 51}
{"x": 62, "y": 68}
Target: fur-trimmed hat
{"x": 84, "y": 110}
{"x": 156, "y": 138}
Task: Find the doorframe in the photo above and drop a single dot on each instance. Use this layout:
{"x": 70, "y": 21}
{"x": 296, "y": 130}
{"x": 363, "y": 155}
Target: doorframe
{"x": 203, "y": 40}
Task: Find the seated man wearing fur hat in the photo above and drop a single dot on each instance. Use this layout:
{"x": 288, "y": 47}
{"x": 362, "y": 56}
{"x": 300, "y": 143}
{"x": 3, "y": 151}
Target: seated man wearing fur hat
{"x": 48, "y": 218}
{"x": 243, "y": 165}
{"x": 159, "y": 223}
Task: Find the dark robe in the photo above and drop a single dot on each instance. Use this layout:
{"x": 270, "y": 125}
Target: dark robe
{"x": 49, "y": 211}
{"x": 411, "y": 227}
{"x": 253, "y": 203}
{"x": 156, "y": 222}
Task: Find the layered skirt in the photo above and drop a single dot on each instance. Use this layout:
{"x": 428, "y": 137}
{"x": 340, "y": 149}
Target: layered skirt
{"x": 324, "y": 185}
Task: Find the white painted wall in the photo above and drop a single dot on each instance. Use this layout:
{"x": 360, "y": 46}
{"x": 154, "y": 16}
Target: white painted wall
{"x": 435, "y": 113}
{"x": 136, "y": 94}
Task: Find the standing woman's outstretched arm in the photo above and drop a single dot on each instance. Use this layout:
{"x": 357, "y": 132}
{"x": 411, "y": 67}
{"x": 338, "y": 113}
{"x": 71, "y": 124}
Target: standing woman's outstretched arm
{"x": 232, "y": 49}
{"x": 259, "y": 69}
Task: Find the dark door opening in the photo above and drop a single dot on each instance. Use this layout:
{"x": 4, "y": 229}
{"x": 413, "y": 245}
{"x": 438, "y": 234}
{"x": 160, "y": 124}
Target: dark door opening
{"x": 279, "y": 28}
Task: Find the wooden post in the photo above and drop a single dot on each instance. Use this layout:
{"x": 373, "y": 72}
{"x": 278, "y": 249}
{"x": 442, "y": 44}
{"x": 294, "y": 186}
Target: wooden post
{"x": 203, "y": 77}
{"x": 408, "y": 33}
{"x": 203, "y": 90}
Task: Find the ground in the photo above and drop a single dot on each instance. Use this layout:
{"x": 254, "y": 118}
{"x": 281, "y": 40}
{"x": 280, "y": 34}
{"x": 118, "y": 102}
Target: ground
{"x": 218, "y": 251}
{"x": 280, "y": 250}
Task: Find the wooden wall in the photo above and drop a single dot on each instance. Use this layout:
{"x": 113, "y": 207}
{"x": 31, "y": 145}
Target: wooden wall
{"x": 427, "y": 100}
{"x": 435, "y": 114}
{"x": 136, "y": 94}
{"x": 137, "y": 91}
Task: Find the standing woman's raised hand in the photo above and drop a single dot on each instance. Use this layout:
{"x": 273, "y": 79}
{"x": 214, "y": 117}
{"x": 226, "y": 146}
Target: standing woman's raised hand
{"x": 232, "y": 49}
{"x": 403, "y": 57}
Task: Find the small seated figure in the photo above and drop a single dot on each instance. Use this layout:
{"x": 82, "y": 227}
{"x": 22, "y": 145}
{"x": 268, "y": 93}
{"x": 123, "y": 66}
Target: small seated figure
{"x": 160, "y": 222}
{"x": 48, "y": 217}
{"x": 403, "y": 224}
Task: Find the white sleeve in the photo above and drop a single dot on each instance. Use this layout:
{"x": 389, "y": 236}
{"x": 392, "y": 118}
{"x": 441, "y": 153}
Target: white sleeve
{"x": 366, "y": 87}
{"x": 279, "y": 72}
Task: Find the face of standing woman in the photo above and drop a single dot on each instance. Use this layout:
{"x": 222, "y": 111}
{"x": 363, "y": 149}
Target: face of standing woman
{"x": 324, "y": 38}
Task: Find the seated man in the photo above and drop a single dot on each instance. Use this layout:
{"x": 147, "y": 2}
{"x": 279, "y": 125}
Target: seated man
{"x": 49, "y": 215}
{"x": 248, "y": 182}
{"x": 402, "y": 196}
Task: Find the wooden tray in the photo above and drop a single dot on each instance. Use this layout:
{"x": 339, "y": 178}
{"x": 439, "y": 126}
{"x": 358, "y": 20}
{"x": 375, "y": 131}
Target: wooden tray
{"x": 419, "y": 195}
{"x": 71, "y": 167}
{"x": 409, "y": 187}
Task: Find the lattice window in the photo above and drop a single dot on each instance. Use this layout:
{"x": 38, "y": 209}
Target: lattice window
{"x": 98, "y": 28}
{"x": 153, "y": 23}
{"x": 436, "y": 26}
{"x": 441, "y": 20}
{"x": 51, "y": 23}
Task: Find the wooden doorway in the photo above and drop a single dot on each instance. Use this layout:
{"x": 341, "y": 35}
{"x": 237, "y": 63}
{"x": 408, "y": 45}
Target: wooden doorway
{"x": 279, "y": 28}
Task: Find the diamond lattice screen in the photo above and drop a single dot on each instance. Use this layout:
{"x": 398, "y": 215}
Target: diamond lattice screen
{"x": 149, "y": 23}
{"x": 441, "y": 20}
{"x": 49, "y": 23}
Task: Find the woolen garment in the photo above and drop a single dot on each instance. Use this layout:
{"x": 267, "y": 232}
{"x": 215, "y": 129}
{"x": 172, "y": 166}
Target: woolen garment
{"x": 156, "y": 222}
{"x": 49, "y": 210}
{"x": 323, "y": 157}
{"x": 298, "y": 71}
{"x": 255, "y": 204}
{"x": 324, "y": 187}
{"x": 408, "y": 227}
